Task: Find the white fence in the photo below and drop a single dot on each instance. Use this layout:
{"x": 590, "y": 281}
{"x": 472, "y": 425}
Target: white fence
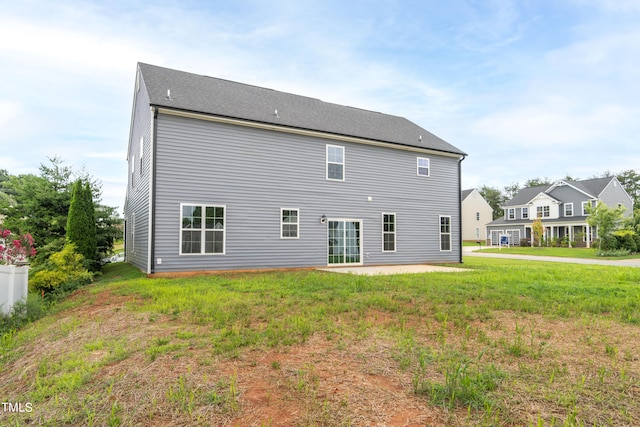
{"x": 14, "y": 286}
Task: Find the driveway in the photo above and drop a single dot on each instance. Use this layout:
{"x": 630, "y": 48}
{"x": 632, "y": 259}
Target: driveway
{"x": 471, "y": 251}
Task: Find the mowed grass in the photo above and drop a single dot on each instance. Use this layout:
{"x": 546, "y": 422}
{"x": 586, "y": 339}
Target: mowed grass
{"x": 553, "y": 251}
{"x": 505, "y": 343}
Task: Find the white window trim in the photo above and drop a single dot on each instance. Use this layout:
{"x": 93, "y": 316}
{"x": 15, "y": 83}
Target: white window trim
{"x": 133, "y": 233}
{"x": 543, "y": 211}
{"x": 525, "y": 215}
{"x": 282, "y": 223}
{"x": 202, "y": 239}
{"x": 440, "y": 233}
{"x": 511, "y": 214}
{"x": 395, "y": 229}
{"x": 428, "y": 167}
{"x": 335, "y": 163}
{"x": 141, "y": 152}
{"x": 566, "y": 205}
{"x": 584, "y": 208}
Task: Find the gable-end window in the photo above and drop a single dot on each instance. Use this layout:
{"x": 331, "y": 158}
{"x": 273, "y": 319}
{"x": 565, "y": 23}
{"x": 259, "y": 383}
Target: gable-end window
{"x": 543, "y": 211}
{"x": 511, "y": 213}
{"x": 477, "y": 216}
{"x": 335, "y": 162}
{"x": 424, "y": 168}
{"x": 525, "y": 213}
{"x": 202, "y": 230}
{"x": 289, "y": 223}
{"x": 584, "y": 208}
{"x": 388, "y": 232}
{"x": 445, "y": 233}
{"x": 568, "y": 209}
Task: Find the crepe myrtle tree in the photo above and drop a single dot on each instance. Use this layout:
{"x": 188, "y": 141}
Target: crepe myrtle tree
{"x": 606, "y": 220}
{"x": 538, "y": 231}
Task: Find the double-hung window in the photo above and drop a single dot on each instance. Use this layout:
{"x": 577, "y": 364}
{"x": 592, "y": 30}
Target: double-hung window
{"x": 424, "y": 167}
{"x": 543, "y": 211}
{"x": 335, "y": 163}
{"x": 511, "y": 213}
{"x": 445, "y": 233}
{"x": 388, "y": 232}
{"x": 525, "y": 213}
{"x": 289, "y": 223}
{"x": 202, "y": 229}
{"x": 141, "y": 152}
{"x": 568, "y": 209}
{"x": 585, "y": 205}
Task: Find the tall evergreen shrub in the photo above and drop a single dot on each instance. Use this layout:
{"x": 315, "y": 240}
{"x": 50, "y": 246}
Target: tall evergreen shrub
{"x": 81, "y": 226}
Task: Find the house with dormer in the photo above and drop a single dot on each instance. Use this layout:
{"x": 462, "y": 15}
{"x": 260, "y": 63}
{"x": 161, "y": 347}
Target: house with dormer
{"x": 562, "y": 207}
{"x": 231, "y": 176}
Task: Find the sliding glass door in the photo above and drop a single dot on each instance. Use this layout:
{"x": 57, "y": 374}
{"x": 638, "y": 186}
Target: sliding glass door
{"x": 344, "y": 242}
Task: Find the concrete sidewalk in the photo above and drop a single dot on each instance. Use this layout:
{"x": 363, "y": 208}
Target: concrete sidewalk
{"x": 472, "y": 251}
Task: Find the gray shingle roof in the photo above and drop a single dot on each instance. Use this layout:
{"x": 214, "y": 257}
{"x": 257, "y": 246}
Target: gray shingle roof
{"x": 593, "y": 187}
{"x": 209, "y": 95}
{"x": 525, "y": 195}
{"x": 465, "y": 193}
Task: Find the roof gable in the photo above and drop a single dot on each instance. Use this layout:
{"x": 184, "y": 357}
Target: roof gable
{"x": 197, "y": 93}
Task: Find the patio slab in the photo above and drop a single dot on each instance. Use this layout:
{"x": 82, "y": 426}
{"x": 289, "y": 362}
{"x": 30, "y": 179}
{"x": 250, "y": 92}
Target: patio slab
{"x": 394, "y": 269}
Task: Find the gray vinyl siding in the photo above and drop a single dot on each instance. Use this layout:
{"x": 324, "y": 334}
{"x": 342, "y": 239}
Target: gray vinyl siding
{"x": 256, "y": 172}
{"x": 569, "y": 194}
{"x": 613, "y": 195}
{"x": 138, "y": 189}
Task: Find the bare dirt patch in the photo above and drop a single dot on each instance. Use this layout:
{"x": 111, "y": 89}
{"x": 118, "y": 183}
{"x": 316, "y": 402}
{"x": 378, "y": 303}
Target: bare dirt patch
{"x": 161, "y": 370}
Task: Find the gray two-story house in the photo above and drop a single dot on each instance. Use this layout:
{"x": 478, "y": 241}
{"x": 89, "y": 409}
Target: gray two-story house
{"x": 562, "y": 208}
{"x": 230, "y": 176}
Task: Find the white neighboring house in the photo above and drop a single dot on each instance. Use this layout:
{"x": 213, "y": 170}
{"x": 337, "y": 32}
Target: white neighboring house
{"x": 563, "y": 209}
{"x": 476, "y": 214}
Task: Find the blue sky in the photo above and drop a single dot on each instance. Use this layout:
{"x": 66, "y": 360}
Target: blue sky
{"x": 527, "y": 88}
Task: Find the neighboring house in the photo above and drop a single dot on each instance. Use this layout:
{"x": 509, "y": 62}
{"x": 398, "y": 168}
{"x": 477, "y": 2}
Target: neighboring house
{"x": 562, "y": 208}
{"x": 476, "y": 214}
{"x": 230, "y": 176}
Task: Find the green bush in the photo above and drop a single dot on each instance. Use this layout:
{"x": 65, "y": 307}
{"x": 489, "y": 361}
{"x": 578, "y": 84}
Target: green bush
{"x": 23, "y": 312}
{"x": 61, "y": 270}
{"x": 626, "y": 240}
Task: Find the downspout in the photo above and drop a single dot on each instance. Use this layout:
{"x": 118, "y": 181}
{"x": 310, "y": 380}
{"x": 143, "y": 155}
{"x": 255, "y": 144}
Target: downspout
{"x": 460, "y": 203}
{"x": 152, "y": 194}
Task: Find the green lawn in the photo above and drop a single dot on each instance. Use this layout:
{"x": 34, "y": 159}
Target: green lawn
{"x": 506, "y": 343}
{"x": 553, "y": 251}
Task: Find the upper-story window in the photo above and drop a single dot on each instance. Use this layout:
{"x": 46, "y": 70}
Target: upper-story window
{"x": 477, "y": 216}
{"x": 511, "y": 213}
{"x": 568, "y": 209}
{"x": 424, "y": 166}
{"x": 543, "y": 211}
{"x": 335, "y": 162}
{"x": 141, "y": 152}
{"x": 584, "y": 208}
{"x": 525, "y": 213}
{"x": 133, "y": 168}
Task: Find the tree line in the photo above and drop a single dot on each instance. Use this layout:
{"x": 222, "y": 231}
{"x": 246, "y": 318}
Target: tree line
{"x": 61, "y": 209}
{"x": 629, "y": 179}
